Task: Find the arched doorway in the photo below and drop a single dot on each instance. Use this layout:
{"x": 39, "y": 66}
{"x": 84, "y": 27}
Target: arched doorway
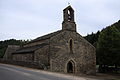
{"x": 70, "y": 67}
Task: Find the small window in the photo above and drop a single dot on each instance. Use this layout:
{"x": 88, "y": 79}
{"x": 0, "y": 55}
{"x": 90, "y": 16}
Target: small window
{"x": 71, "y": 45}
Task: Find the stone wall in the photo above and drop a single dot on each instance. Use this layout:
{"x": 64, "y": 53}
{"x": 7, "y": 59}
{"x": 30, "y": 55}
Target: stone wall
{"x": 42, "y": 55}
{"x": 39, "y": 55}
{"x": 82, "y": 55}
{"x": 10, "y": 49}
{"x": 23, "y": 57}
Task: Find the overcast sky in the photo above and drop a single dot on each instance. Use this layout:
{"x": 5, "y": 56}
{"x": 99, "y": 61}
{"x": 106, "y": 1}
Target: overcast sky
{"x": 29, "y": 19}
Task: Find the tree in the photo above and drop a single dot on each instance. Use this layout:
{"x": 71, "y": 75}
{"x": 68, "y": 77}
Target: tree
{"x": 5, "y": 43}
{"x": 92, "y": 38}
{"x": 108, "y": 47}
{"x": 117, "y": 25}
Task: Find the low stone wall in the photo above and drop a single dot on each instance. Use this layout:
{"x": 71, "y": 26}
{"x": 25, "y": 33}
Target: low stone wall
{"x": 23, "y": 63}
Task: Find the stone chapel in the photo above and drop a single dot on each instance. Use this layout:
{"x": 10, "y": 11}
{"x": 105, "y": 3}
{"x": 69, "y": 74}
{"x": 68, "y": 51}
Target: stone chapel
{"x": 63, "y": 51}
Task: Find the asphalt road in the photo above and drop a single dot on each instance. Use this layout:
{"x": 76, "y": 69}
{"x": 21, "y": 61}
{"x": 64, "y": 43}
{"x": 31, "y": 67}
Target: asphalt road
{"x": 10, "y": 72}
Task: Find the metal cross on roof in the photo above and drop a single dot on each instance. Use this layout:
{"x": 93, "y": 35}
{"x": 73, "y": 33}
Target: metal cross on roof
{"x": 68, "y": 3}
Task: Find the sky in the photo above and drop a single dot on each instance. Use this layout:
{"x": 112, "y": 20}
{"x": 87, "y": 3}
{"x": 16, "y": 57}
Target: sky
{"x": 29, "y": 19}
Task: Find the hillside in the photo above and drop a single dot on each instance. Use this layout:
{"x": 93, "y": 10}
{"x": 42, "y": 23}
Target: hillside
{"x": 5, "y": 43}
{"x": 93, "y": 37}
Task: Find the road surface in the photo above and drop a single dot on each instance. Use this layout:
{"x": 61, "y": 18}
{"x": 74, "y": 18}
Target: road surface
{"x": 10, "y": 72}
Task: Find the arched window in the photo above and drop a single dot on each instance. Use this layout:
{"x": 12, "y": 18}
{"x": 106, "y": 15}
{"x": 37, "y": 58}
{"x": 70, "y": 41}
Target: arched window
{"x": 71, "y": 45}
{"x": 69, "y": 15}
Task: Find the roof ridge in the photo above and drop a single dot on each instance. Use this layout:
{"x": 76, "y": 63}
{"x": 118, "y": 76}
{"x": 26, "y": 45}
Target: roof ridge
{"x": 45, "y": 36}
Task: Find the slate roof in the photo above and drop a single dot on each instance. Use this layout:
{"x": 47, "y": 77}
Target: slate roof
{"x": 68, "y": 8}
{"x": 30, "y": 49}
{"x": 45, "y": 36}
{"x": 33, "y": 48}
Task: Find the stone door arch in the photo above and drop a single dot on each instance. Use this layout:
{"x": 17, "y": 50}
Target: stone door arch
{"x": 71, "y": 67}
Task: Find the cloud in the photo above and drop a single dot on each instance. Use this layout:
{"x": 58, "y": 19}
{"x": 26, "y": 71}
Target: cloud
{"x": 96, "y": 14}
{"x": 25, "y": 19}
